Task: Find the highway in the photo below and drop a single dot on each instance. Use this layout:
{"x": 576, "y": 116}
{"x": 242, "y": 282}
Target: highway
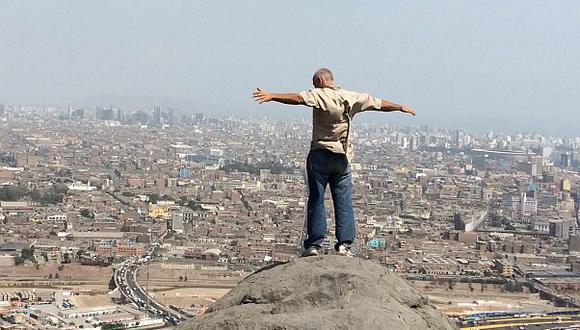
{"x": 126, "y": 280}
{"x": 527, "y": 323}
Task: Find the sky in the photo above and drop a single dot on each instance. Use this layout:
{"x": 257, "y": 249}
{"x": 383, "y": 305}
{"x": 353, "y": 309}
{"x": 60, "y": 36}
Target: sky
{"x": 482, "y": 65}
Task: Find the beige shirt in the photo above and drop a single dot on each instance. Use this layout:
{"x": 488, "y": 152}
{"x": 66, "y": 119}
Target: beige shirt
{"x": 333, "y": 110}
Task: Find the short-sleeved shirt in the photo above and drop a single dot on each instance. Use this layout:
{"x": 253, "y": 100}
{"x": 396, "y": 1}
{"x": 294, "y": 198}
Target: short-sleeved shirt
{"x": 333, "y": 110}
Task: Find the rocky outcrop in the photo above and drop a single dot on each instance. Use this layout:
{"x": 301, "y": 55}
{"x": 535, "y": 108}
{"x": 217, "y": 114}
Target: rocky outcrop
{"x": 327, "y": 292}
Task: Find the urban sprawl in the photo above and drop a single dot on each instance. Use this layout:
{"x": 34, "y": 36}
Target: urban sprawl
{"x": 112, "y": 219}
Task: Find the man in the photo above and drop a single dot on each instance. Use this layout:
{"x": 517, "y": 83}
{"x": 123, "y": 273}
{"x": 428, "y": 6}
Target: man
{"x": 328, "y": 161}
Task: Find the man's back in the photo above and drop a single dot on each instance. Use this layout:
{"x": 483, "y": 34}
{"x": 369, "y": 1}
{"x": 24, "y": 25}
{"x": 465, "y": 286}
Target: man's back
{"x": 333, "y": 109}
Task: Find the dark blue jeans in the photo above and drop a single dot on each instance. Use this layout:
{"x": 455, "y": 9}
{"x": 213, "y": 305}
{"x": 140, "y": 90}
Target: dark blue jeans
{"x": 327, "y": 168}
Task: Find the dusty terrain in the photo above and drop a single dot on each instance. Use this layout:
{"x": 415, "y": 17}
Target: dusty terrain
{"x": 323, "y": 293}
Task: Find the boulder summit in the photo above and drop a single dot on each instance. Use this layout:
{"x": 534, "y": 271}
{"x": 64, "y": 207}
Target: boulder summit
{"x": 326, "y": 292}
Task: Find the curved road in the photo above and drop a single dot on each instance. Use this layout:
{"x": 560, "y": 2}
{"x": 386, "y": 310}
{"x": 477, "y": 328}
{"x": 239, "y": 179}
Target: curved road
{"x": 126, "y": 280}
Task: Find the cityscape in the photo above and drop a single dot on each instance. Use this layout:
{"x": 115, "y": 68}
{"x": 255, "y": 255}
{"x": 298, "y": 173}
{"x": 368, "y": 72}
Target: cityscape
{"x": 114, "y": 219}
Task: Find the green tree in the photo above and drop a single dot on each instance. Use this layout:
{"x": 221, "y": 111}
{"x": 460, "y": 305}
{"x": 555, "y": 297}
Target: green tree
{"x": 87, "y": 213}
{"x": 28, "y": 254}
{"x": 111, "y": 326}
{"x": 35, "y": 195}
{"x": 154, "y": 198}
{"x": 80, "y": 253}
{"x": 60, "y": 188}
{"x": 11, "y": 193}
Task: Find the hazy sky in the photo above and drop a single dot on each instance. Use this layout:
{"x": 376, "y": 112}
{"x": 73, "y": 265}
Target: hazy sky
{"x": 485, "y": 65}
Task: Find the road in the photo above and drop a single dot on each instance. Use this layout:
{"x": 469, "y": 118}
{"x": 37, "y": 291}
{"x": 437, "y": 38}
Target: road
{"x": 126, "y": 280}
{"x": 534, "y": 323}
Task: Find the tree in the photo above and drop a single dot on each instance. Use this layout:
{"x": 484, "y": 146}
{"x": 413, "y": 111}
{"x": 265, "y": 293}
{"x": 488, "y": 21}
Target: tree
{"x": 28, "y": 254}
{"x": 11, "y": 193}
{"x": 60, "y": 188}
{"x": 80, "y": 253}
{"x": 185, "y": 278}
{"x": 512, "y": 286}
{"x": 154, "y": 198}
{"x": 18, "y": 260}
{"x": 86, "y": 213}
{"x": 180, "y": 278}
{"x": 35, "y": 195}
{"x": 111, "y": 326}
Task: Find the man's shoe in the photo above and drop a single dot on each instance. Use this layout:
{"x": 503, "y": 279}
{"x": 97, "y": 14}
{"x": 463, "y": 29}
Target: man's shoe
{"x": 312, "y": 251}
{"x": 344, "y": 250}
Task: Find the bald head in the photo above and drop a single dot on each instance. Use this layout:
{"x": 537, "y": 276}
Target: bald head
{"x": 323, "y": 78}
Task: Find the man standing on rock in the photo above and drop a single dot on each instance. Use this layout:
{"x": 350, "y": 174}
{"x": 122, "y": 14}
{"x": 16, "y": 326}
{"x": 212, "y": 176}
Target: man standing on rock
{"x": 328, "y": 161}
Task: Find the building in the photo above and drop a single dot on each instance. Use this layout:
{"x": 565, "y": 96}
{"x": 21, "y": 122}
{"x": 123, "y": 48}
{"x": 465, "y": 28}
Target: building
{"x": 161, "y": 210}
{"x": 565, "y": 185}
{"x": 120, "y": 249}
{"x": 504, "y": 267}
{"x": 177, "y": 223}
{"x": 7, "y": 260}
{"x": 574, "y": 243}
{"x": 157, "y": 115}
{"x": 184, "y": 173}
{"x": 566, "y": 159}
{"x": 521, "y": 205}
{"x": 562, "y": 229}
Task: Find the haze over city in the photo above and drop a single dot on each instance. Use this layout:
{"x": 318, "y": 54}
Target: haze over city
{"x": 194, "y": 165}
{"x": 483, "y": 65}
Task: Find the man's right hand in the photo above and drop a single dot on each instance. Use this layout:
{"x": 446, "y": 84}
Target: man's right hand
{"x": 261, "y": 96}
{"x": 408, "y": 109}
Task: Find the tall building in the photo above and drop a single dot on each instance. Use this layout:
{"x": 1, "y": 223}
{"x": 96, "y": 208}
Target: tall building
{"x": 105, "y": 113}
{"x": 537, "y": 165}
{"x": 563, "y": 228}
{"x": 78, "y": 113}
{"x": 119, "y": 115}
{"x": 157, "y": 115}
{"x": 566, "y": 159}
{"x": 171, "y": 116}
{"x": 520, "y": 205}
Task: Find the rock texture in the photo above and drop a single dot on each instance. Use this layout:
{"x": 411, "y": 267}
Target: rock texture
{"x": 327, "y": 292}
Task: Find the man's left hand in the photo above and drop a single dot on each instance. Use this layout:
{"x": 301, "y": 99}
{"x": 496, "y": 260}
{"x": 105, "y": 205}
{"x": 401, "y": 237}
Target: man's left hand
{"x": 261, "y": 96}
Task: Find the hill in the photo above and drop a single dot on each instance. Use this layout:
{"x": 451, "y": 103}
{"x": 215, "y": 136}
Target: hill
{"x": 326, "y": 292}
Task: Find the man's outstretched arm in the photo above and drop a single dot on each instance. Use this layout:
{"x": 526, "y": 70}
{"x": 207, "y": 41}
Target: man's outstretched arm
{"x": 390, "y": 106}
{"x": 261, "y": 96}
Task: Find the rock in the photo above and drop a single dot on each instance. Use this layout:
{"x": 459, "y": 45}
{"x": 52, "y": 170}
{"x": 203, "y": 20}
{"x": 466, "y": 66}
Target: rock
{"x": 327, "y": 292}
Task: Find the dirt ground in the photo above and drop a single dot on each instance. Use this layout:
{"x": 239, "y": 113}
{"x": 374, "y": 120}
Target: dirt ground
{"x": 91, "y": 301}
{"x": 72, "y": 271}
{"x": 463, "y": 298}
{"x": 189, "y": 297}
